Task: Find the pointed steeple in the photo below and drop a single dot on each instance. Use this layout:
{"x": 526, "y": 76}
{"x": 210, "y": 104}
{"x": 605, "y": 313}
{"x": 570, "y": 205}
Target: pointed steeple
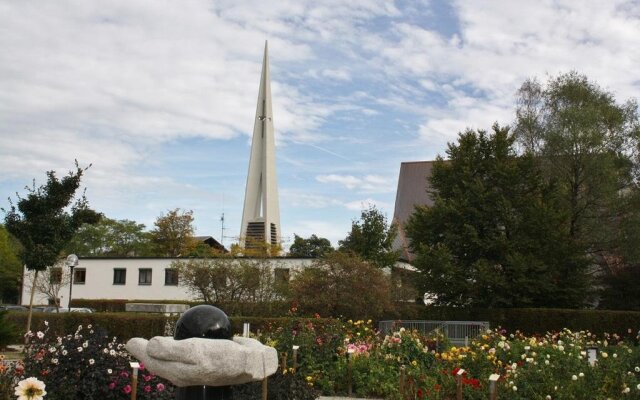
{"x": 261, "y": 213}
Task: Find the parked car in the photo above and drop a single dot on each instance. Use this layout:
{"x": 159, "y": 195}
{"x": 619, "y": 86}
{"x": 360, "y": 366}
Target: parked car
{"x": 12, "y": 307}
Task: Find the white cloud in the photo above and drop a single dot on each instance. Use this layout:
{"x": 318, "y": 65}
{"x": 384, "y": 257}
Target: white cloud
{"x": 367, "y": 183}
{"x": 364, "y": 204}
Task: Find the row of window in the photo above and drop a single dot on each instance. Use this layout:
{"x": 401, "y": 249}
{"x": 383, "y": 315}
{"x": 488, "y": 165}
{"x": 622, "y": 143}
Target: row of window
{"x": 145, "y": 276}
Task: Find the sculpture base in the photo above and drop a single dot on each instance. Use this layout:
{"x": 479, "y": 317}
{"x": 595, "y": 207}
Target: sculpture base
{"x": 204, "y": 393}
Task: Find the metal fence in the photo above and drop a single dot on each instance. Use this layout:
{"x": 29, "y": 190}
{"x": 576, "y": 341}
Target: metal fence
{"x": 458, "y": 332}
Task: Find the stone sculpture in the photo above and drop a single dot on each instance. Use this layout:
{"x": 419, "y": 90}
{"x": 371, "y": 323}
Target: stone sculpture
{"x": 202, "y": 359}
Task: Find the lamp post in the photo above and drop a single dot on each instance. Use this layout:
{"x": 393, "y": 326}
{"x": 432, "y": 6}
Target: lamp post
{"x": 72, "y": 262}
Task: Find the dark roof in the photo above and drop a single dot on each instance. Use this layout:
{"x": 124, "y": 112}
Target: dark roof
{"x": 413, "y": 186}
{"x": 211, "y": 242}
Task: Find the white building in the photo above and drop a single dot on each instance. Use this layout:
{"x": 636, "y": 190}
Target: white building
{"x": 132, "y": 279}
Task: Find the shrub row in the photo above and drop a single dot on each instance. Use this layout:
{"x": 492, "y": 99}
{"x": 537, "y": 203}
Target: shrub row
{"x": 127, "y": 325}
{"x": 270, "y": 309}
{"x": 122, "y": 325}
{"x": 530, "y": 321}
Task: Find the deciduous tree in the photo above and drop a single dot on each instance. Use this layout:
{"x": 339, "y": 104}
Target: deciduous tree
{"x": 47, "y": 218}
{"x": 117, "y": 238}
{"x": 371, "y": 238}
{"x": 312, "y": 247}
{"x": 10, "y": 267}
{"x": 342, "y": 284}
{"x": 173, "y": 233}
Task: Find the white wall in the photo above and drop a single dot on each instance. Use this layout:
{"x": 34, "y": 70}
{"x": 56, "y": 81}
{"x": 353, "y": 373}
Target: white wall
{"x": 99, "y": 280}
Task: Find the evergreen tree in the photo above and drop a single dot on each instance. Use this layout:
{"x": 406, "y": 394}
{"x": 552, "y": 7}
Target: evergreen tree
{"x": 491, "y": 239}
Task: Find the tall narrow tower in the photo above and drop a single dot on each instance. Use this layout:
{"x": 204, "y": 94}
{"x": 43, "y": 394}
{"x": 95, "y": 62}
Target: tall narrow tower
{"x": 261, "y": 213}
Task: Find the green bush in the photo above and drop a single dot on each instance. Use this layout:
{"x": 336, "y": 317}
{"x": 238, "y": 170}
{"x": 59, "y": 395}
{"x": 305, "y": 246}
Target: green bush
{"x": 266, "y": 309}
{"x": 121, "y": 325}
{"x": 8, "y": 331}
{"x": 530, "y": 320}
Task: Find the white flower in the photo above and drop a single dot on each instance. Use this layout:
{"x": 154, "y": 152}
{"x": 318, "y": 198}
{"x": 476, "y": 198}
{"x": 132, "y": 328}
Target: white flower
{"x": 561, "y": 348}
{"x": 30, "y": 389}
{"x": 52, "y": 349}
{"x": 615, "y": 355}
{"x": 89, "y": 326}
{"x": 85, "y": 344}
{"x": 638, "y": 386}
{"x": 515, "y": 388}
{"x": 54, "y": 361}
{"x": 40, "y": 335}
{"x": 64, "y": 352}
{"x": 581, "y": 375}
{"x": 105, "y": 350}
{"x": 637, "y": 369}
{"x": 546, "y": 362}
{"x": 109, "y": 371}
{"x": 112, "y": 352}
{"x": 46, "y": 323}
{"x": 91, "y": 361}
{"x": 574, "y": 378}
{"x": 626, "y": 390}
{"x": 548, "y": 397}
{"x": 79, "y": 349}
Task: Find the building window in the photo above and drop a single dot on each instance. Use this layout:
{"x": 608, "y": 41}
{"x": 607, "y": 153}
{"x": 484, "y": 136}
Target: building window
{"x": 144, "y": 276}
{"x": 171, "y": 277}
{"x": 282, "y": 275}
{"x": 119, "y": 276}
{"x": 79, "y": 276}
{"x": 55, "y": 275}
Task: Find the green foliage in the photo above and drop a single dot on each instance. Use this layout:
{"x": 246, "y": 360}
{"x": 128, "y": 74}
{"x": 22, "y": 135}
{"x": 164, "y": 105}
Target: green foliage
{"x": 229, "y": 279}
{"x": 10, "y": 267}
{"x": 114, "y": 238}
{"x": 588, "y": 144}
{"x": 341, "y": 284}
{"x": 122, "y": 325}
{"x": 8, "y": 332}
{"x": 371, "y": 238}
{"x": 173, "y": 233}
{"x": 491, "y": 238}
{"x": 41, "y": 221}
{"x": 313, "y": 247}
{"x": 529, "y": 320}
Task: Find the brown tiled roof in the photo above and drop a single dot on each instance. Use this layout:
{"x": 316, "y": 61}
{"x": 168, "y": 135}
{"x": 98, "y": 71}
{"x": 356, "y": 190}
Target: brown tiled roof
{"x": 412, "y": 191}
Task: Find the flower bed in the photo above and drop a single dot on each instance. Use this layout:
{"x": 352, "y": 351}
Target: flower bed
{"x": 335, "y": 357}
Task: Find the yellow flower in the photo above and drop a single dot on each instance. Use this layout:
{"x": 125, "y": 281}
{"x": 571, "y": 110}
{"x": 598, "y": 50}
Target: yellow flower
{"x": 309, "y": 378}
{"x": 414, "y": 363}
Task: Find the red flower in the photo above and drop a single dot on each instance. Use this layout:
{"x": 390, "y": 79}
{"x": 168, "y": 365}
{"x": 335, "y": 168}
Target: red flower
{"x": 127, "y": 389}
{"x": 112, "y": 385}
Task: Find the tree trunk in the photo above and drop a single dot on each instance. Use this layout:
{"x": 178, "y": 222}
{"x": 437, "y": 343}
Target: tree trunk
{"x": 33, "y": 291}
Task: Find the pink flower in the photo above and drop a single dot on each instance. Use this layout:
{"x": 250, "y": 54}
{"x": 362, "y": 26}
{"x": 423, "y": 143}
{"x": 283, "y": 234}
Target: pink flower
{"x": 147, "y": 378}
{"x": 127, "y": 389}
{"x": 160, "y": 387}
{"x": 112, "y": 385}
{"x": 147, "y": 389}
{"x": 124, "y": 374}
{"x": 141, "y": 366}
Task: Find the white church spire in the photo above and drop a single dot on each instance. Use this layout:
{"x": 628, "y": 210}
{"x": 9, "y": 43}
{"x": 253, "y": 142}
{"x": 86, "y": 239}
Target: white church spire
{"x": 261, "y": 213}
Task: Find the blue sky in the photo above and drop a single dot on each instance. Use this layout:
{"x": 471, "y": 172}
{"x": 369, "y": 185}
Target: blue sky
{"x": 160, "y": 96}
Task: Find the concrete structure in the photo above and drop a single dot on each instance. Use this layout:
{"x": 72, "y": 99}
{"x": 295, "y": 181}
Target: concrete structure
{"x": 261, "y": 213}
{"x": 413, "y": 190}
{"x": 145, "y": 279}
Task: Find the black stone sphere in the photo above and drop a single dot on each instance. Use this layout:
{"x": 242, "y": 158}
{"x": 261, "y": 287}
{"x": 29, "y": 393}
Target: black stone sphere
{"x": 203, "y": 321}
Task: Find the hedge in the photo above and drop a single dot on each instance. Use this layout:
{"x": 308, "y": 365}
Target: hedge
{"x": 124, "y": 326}
{"x": 530, "y": 321}
{"x": 270, "y": 309}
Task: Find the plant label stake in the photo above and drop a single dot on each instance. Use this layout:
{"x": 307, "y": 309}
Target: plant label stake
{"x": 134, "y": 379}
{"x": 295, "y": 358}
{"x": 265, "y": 389}
{"x": 402, "y": 381}
{"x": 246, "y": 329}
{"x": 493, "y": 386}
{"x": 350, "y": 370}
{"x": 459, "y": 384}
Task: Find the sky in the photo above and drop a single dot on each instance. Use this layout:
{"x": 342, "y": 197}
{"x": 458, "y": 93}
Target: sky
{"x": 159, "y": 96}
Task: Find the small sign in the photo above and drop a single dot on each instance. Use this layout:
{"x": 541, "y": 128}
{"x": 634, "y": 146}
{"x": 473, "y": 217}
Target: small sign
{"x": 296, "y": 347}
{"x": 461, "y": 372}
{"x": 134, "y": 365}
{"x": 494, "y": 377}
{"x": 592, "y": 355}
